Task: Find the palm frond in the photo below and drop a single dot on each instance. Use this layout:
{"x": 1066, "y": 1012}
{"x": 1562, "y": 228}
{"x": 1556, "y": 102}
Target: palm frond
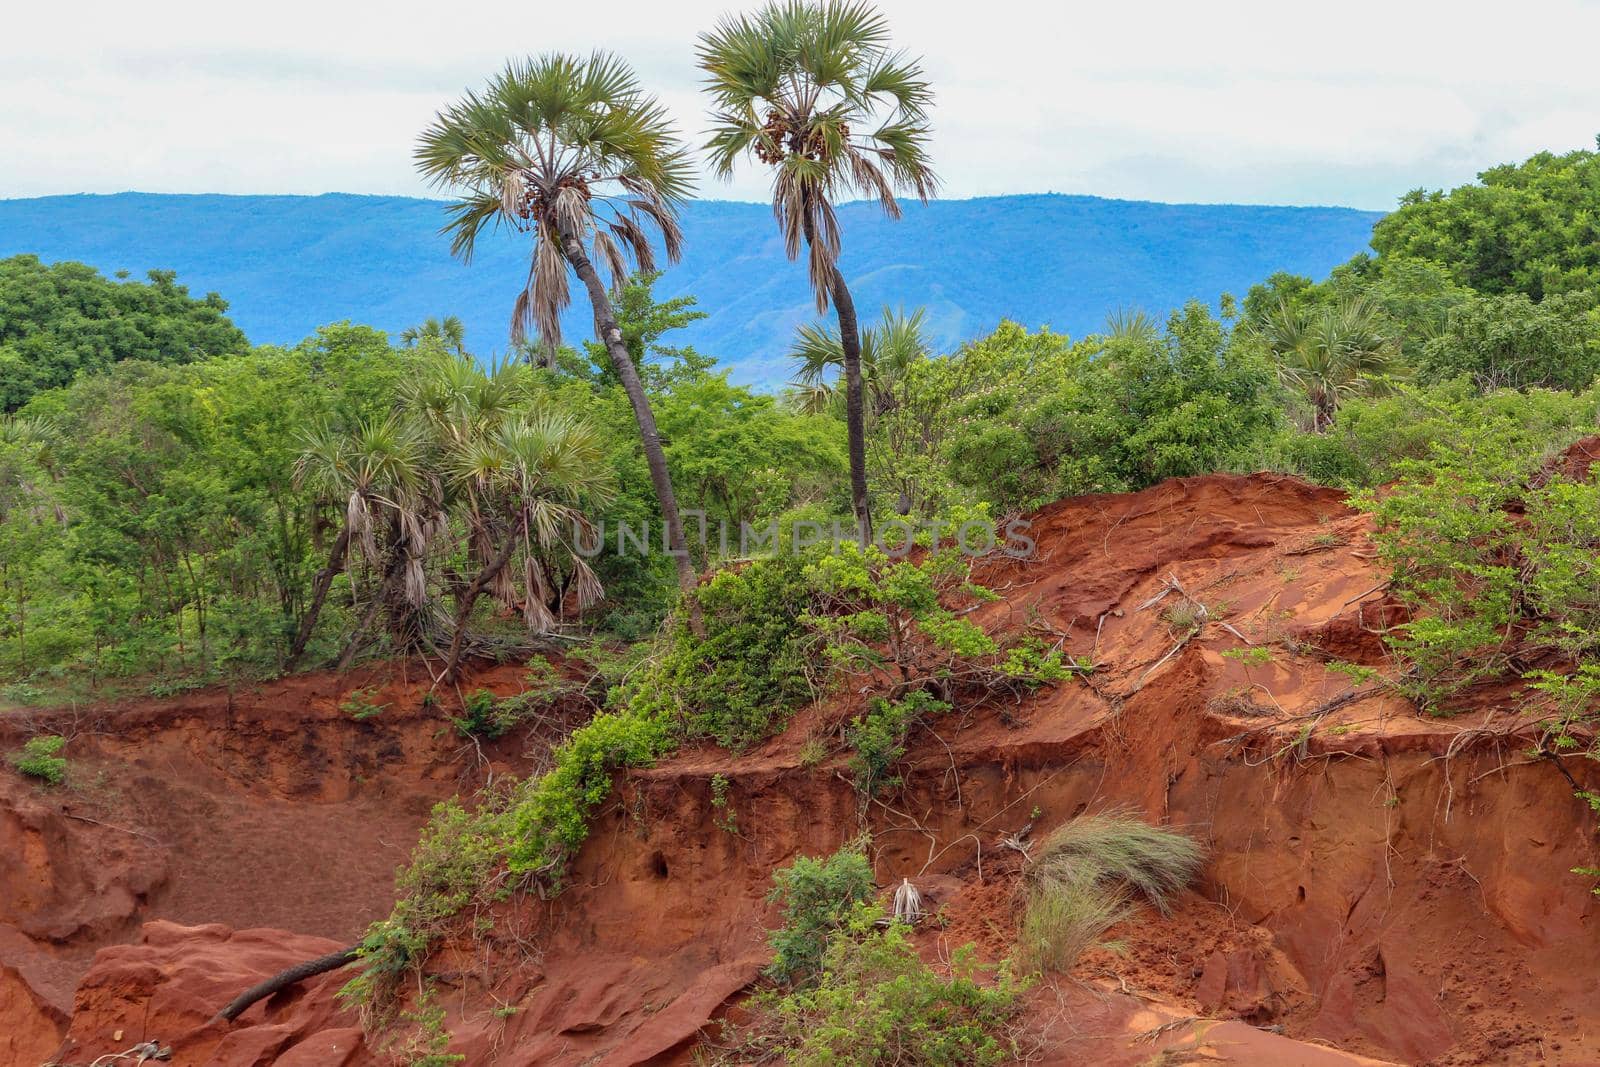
{"x": 558, "y": 146}
{"x": 812, "y": 89}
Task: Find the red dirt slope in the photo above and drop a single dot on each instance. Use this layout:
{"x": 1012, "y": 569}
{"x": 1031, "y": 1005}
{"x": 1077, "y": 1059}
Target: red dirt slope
{"x": 1382, "y": 886}
{"x": 266, "y": 807}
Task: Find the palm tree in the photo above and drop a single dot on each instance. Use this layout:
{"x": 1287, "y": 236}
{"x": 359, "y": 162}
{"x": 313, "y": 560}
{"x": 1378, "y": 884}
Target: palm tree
{"x": 1330, "y": 353}
{"x": 573, "y": 153}
{"x": 888, "y": 348}
{"x": 448, "y": 332}
{"x": 524, "y": 486}
{"x": 517, "y": 477}
{"x": 376, "y": 471}
{"x": 812, "y": 89}
{"x": 469, "y": 450}
{"x": 1132, "y": 324}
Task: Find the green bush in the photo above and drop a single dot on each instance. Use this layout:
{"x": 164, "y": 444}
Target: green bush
{"x": 485, "y": 716}
{"x": 1560, "y": 547}
{"x": 1576, "y": 697}
{"x": 818, "y": 896}
{"x": 879, "y": 738}
{"x": 738, "y": 683}
{"x": 1475, "y": 576}
{"x": 1374, "y": 438}
{"x": 549, "y": 820}
{"x": 1445, "y": 531}
{"x": 877, "y": 1002}
{"x": 874, "y": 614}
{"x": 458, "y": 860}
{"x": 38, "y": 759}
{"x": 359, "y": 705}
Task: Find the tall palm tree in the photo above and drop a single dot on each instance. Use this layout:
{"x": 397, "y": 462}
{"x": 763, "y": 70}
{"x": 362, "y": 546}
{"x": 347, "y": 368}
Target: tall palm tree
{"x": 888, "y": 348}
{"x": 1330, "y": 353}
{"x": 573, "y": 153}
{"x": 812, "y": 89}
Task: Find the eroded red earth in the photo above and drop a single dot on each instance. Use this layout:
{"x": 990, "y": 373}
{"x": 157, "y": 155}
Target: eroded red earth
{"x": 1382, "y": 886}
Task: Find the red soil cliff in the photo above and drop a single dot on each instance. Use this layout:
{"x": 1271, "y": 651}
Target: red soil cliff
{"x": 1382, "y": 885}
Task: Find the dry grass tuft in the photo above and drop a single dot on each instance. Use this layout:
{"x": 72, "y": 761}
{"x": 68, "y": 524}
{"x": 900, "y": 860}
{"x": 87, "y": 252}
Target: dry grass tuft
{"x": 1086, "y": 877}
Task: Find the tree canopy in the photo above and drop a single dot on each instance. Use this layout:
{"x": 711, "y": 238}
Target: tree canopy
{"x": 1530, "y": 227}
{"x": 63, "y": 319}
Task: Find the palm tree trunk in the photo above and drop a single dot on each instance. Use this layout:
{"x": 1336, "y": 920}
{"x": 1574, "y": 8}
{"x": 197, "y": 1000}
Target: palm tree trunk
{"x": 844, "y": 307}
{"x": 469, "y": 598}
{"x": 610, "y": 335}
{"x": 380, "y": 596}
{"x": 854, "y": 409}
{"x": 319, "y": 594}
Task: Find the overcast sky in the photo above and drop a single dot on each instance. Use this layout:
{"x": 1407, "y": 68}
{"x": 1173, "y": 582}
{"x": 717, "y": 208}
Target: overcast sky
{"x": 1250, "y": 102}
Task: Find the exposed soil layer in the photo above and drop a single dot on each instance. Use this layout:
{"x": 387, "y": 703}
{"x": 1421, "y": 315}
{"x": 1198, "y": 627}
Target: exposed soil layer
{"x": 267, "y": 807}
{"x": 1382, "y": 886}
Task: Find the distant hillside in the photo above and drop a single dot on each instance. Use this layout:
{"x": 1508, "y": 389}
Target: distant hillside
{"x": 288, "y": 264}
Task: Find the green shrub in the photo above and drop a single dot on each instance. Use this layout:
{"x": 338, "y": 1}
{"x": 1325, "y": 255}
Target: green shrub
{"x": 425, "y": 1041}
{"x": 1445, "y": 531}
{"x": 1373, "y": 437}
{"x": 879, "y": 738}
{"x": 1477, "y": 578}
{"x": 725, "y": 817}
{"x": 38, "y": 759}
{"x": 873, "y": 613}
{"x": 360, "y": 707}
{"x": 1560, "y": 546}
{"x": 738, "y": 683}
{"x": 485, "y": 716}
{"x": 1576, "y": 697}
{"x": 458, "y": 861}
{"x": 877, "y": 1002}
{"x": 818, "y": 896}
{"x": 549, "y": 819}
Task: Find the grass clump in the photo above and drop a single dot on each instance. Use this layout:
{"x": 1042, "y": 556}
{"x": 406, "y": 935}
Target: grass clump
{"x": 1086, "y": 877}
{"x": 39, "y": 758}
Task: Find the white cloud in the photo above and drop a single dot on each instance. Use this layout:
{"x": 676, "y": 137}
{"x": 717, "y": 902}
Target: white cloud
{"x": 1247, "y": 100}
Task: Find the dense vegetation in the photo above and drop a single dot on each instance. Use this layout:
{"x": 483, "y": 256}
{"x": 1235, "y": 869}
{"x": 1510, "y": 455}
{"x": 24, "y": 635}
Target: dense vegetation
{"x": 63, "y": 320}
{"x": 176, "y": 507}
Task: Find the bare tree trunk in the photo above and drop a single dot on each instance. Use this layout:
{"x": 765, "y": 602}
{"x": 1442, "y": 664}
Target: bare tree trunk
{"x": 379, "y": 596}
{"x": 610, "y": 335}
{"x": 319, "y": 594}
{"x": 284, "y": 979}
{"x": 469, "y": 597}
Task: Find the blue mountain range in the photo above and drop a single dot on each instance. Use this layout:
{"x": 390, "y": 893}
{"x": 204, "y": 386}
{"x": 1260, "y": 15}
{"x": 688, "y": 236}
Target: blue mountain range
{"x": 288, "y": 264}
